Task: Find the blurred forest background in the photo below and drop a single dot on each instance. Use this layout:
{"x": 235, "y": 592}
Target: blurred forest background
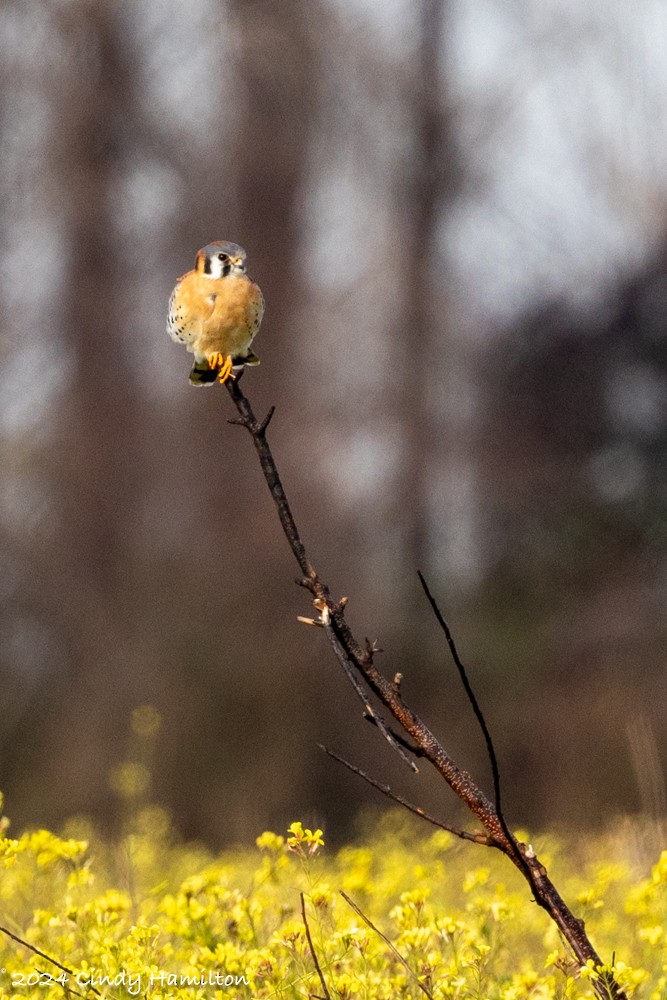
{"x": 457, "y": 211}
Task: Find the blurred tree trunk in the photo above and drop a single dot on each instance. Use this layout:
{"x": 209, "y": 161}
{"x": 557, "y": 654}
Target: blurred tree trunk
{"x": 100, "y": 413}
{"x": 430, "y": 183}
{"x": 93, "y": 463}
{"x": 276, "y": 78}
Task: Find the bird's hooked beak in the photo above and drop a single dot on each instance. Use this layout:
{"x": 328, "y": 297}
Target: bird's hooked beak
{"x": 238, "y": 264}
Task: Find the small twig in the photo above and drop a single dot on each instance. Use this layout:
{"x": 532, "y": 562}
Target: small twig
{"x": 67, "y": 989}
{"x": 372, "y": 715}
{"x": 475, "y": 838}
{"x": 267, "y": 419}
{"x": 479, "y": 715}
{"x": 47, "y": 958}
{"x": 410, "y": 747}
{"x": 396, "y": 742}
{"x": 309, "y": 621}
{"x": 470, "y": 694}
{"x": 386, "y": 940}
{"x": 312, "y": 948}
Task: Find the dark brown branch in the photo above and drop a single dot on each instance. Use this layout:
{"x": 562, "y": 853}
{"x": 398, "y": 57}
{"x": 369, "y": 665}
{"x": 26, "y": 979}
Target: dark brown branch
{"x": 258, "y": 433}
{"x": 310, "y": 580}
{"x": 545, "y": 893}
{"x": 392, "y": 948}
{"x": 372, "y": 715}
{"x": 312, "y": 948}
{"x": 476, "y": 838}
{"x": 47, "y": 958}
{"x": 406, "y": 744}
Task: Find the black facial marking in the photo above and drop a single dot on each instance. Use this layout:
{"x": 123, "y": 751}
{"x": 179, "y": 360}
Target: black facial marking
{"x": 226, "y": 269}
{"x": 207, "y": 265}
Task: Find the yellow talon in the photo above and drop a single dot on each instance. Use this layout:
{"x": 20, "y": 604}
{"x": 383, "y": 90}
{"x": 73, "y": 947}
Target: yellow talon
{"x": 226, "y": 371}
{"x": 223, "y": 364}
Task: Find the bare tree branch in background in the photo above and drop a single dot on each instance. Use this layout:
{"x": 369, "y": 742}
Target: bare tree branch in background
{"x": 361, "y": 660}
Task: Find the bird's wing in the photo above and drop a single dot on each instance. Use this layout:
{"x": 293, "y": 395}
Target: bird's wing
{"x": 257, "y": 305}
{"x": 189, "y": 307}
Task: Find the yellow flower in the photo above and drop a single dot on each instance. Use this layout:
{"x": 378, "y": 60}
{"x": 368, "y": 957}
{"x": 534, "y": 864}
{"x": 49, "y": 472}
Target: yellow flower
{"x": 659, "y": 873}
{"x": 473, "y": 879}
{"x": 654, "y": 935}
{"x": 270, "y": 842}
{"x": 305, "y": 842}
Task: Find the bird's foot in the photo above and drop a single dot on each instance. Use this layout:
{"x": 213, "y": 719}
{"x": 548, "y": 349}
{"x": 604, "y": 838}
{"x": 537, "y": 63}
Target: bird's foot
{"x": 222, "y": 364}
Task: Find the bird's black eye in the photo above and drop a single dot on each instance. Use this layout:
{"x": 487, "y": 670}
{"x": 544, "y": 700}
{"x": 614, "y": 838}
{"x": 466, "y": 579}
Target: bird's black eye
{"x": 223, "y": 256}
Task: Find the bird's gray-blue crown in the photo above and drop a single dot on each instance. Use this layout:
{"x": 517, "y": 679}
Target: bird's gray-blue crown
{"x": 221, "y": 258}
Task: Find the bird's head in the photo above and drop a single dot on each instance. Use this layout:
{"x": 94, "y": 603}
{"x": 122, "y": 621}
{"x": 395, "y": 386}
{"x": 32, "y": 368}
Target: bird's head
{"x": 217, "y": 260}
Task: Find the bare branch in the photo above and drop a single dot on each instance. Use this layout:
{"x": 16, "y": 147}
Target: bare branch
{"x": 47, "y": 958}
{"x": 355, "y": 659}
{"x": 372, "y": 715}
{"x": 476, "y": 838}
{"x": 258, "y": 433}
{"x": 312, "y": 948}
{"x": 472, "y": 698}
{"x": 267, "y": 419}
{"x": 406, "y": 744}
{"x": 470, "y": 694}
{"x": 386, "y": 940}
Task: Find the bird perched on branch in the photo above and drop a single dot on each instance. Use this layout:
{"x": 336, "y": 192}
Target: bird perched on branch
{"x": 216, "y": 310}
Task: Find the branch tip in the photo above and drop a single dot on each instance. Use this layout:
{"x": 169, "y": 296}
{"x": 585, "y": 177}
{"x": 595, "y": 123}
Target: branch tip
{"x": 267, "y": 420}
{"x": 372, "y": 648}
{"x": 310, "y": 621}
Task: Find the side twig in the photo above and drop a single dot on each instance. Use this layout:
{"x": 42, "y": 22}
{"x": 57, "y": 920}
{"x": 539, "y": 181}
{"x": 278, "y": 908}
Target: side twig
{"x": 311, "y": 947}
{"x": 392, "y": 948}
{"x": 475, "y": 838}
{"x": 47, "y": 958}
{"x": 371, "y": 714}
{"x": 389, "y": 694}
{"x": 490, "y": 749}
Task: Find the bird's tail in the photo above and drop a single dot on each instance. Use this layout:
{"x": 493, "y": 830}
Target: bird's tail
{"x": 248, "y": 359}
{"x": 203, "y": 374}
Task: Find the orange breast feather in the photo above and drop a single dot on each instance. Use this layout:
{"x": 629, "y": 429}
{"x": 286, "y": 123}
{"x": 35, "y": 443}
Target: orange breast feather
{"x": 218, "y": 315}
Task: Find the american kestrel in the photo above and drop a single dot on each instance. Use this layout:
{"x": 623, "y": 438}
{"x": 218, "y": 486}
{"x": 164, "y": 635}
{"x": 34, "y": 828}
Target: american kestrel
{"x": 216, "y": 310}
